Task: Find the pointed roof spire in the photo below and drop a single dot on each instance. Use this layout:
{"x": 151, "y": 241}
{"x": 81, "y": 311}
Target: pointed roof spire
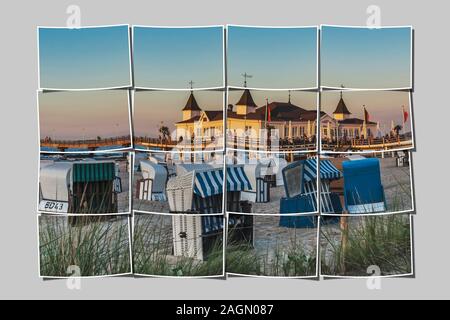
{"x": 191, "y": 104}
{"x": 246, "y": 99}
{"x": 341, "y": 108}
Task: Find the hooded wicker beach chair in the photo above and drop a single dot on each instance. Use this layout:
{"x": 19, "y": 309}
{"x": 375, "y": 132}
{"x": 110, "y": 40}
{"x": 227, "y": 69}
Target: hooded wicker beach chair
{"x": 363, "y": 190}
{"x": 200, "y": 192}
{"x": 79, "y": 187}
{"x": 152, "y": 185}
{"x": 300, "y": 182}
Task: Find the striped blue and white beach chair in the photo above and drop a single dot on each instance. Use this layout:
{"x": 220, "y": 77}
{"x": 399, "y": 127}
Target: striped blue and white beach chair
{"x": 329, "y": 202}
{"x": 300, "y": 182}
{"x": 201, "y": 192}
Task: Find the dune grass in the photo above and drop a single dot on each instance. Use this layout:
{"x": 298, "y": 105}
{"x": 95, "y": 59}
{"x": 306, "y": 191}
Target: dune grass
{"x": 383, "y": 241}
{"x": 97, "y": 245}
{"x": 153, "y": 251}
{"x": 279, "y": 258}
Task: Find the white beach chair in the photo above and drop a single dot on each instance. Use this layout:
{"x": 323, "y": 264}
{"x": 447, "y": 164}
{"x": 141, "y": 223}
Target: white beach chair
{"x": 152, "y": 186}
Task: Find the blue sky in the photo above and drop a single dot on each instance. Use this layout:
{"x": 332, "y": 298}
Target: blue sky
{"x": 171, "y": 57}
{"x": 277, "y": 58}
{"x": 84, "y": 58}
{"x": 366, "y": 58}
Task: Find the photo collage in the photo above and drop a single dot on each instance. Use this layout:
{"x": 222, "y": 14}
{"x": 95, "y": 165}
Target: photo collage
{"x": 225, "y": 151}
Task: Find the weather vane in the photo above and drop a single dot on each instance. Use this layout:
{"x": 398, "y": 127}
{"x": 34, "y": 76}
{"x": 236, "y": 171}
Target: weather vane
{"x": 246, "y": 76}
{"x": 342, "y": 87}
{"x": 191, "y": 84}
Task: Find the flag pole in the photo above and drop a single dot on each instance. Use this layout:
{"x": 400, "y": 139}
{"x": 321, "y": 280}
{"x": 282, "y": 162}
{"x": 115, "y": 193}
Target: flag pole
{"x": 403, "y": 119}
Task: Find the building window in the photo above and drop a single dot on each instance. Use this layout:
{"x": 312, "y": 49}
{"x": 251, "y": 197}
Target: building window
{"x": 248, "y": 130}
{"x": 356, "y": 133}
{"x": 286, "y": 132}
{"x": 294, "y": 131}
{"x": 302, "y": 131}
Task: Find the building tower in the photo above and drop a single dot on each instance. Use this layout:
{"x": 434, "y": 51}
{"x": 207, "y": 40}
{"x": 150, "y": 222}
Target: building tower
{"x": 341, "y": 112}
{"x": 246, "y": 105}
{"x": 191, "y": 109}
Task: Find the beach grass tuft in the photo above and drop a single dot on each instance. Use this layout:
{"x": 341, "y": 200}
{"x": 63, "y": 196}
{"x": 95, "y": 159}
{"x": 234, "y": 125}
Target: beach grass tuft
{"x": 98, "y": 246}
{"x": 382, "y": 241}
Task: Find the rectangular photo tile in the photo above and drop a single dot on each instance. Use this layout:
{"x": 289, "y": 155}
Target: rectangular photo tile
{"x": 87, "y": 121}
{"x": 178, "y": 183}
{"x": 376, "y": 183}
{"x": 366, "y": 121}
{"x": 185, "y": 121}
{"x": 85, "y": 183}
{"x": 367, "y": 246}
{"x": 178, "y": 245}
{"x": 272, "y": 57}
{"x": 84, "y": 246}
{"x": 178, "y": 57}
{"x": 269, "y": 183}
{"x": 84, "y": 58}
{"x": 272, "y": 246}
{"x": 366, "y": 58}
{"x": 276, "y": 121}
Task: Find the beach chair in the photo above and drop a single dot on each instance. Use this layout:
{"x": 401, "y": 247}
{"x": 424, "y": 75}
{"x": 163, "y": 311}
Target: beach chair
{"x": 259, "y": 191}
{"x": 300, "y": 182}
{"x": 196, "y": 236}
{"x": 363, "y": 190}
{"x": 79, "y": 187}
{"x": 200, "y": 192}
{"x": 152, "y": 185}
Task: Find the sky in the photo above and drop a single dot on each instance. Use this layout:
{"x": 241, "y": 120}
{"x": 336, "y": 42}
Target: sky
{"x": 153, "y": 107}
{"x": 78, "y": 115}
{"x": 84, "y": 58}
{"x": 383, "y": 106}
{"x": 277, "y": 58}
{"x": 366, "y": 58}
{"x": 170, "y": 58}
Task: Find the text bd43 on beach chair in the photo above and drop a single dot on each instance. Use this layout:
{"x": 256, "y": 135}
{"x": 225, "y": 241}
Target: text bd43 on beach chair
{"x": 363, "y": 190}
{"x": 152, "y": 185}
{"x": 79, "y": 187}
{"x": 300, "y": 183}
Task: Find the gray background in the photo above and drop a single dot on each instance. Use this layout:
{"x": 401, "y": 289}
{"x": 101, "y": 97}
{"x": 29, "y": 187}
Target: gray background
{"x": 18, "y": 255}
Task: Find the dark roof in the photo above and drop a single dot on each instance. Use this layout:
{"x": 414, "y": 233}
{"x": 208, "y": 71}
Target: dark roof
{"x": 249, "y": 116}
{"x": 246, "y": 99}
{"x": 354, "y": 121}
{"x": 310, "y": 115}
{"x": 191, "y": 104}
{"x": 193, "y": 119}
{"x": 341, "y": 107}
{"x": 279, "y": 111}
{"x": 214, "y": 115}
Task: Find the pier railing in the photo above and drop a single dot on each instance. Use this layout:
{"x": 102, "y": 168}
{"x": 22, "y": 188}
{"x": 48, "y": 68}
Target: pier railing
{"x": 124, "y": 141}
{"x": 383, "y": 143}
